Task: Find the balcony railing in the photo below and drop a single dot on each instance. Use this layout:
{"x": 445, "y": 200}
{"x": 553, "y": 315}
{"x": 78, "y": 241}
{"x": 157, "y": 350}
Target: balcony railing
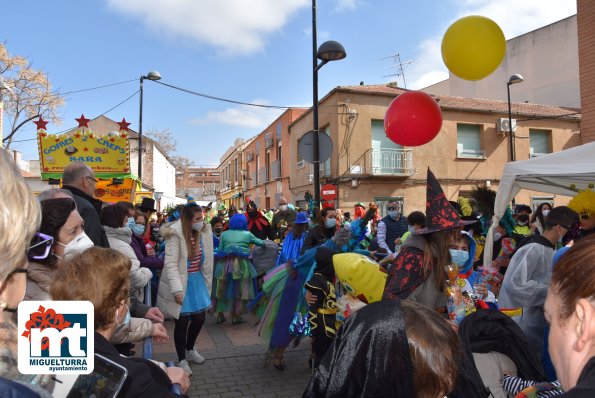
{"x": 263, "y": 174}
{"x": 254, "y": 179}
{"x": 384, "y": 162}
{"x": 275, "y": 170}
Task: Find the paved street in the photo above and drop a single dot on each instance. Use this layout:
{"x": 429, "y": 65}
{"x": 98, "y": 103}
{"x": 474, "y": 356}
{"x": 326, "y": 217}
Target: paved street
{"x": 234, "y": 363}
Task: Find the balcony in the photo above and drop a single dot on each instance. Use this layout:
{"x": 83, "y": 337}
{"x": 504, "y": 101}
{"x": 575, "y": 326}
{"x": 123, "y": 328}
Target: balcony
{"x": 323, "y": 172}
{"x": 253, "y": 179}
{"x": 268, "y": 141}
{"x": 384, "y": 162}
{"x": 263, "y": 174}
{"x": 276, "y": 170}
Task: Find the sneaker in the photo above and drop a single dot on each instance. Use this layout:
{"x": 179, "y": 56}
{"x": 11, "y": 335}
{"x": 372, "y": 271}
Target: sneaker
{"x": 194, "y": 356}
{"x": 184, "y": 365}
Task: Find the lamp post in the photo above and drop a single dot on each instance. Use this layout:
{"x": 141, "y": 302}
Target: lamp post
{"x": 514, "y": 79}
{"x": 152, "y": 75}
{"x": 328, "y": 51}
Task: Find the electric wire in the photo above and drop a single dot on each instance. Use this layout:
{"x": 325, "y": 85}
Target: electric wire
{"x": 72, "y": 128}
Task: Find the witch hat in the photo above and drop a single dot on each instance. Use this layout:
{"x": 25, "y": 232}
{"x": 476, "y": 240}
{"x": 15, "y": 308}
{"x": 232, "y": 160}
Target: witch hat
{"x": 440, "y": 214}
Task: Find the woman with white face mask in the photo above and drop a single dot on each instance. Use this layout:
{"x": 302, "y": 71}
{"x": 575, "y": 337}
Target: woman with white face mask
{"x": 60, "y": 236}
{"x": 184, "y": 291}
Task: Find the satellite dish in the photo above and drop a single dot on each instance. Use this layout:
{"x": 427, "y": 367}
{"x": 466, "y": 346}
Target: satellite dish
{"x": 306, "y": 147}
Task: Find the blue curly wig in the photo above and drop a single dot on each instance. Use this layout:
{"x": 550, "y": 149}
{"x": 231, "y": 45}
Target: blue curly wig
{"x": 238, "y": 222}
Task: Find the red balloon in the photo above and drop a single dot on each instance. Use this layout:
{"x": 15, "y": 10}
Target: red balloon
{"x": 412, "y": 119}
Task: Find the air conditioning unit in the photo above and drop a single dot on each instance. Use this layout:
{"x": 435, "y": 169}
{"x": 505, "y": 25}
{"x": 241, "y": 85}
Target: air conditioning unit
{"x": 503, "y": 125}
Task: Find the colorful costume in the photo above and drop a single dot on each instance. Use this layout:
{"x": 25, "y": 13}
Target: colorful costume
{"x": 323, "y": 313}
{"x": 283, "y": 289}
{"x": 233, "y": 282}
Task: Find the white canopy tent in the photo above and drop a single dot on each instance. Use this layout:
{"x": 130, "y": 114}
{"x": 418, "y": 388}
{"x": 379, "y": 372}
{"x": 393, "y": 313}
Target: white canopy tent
{"x": 561, "y": 173}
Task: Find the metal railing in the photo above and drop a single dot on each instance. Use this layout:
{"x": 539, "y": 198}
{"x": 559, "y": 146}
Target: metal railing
{"x": 264, "y": 174}
{"x": 275, "y": 170}
{"x": 384, "y": 162}
{"x": 148, "y": 344}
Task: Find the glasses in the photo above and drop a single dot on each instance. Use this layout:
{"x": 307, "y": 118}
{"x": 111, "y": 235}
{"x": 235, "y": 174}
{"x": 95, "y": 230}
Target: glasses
{"x": 391, "y": 207}
{"x": 92, "y": 178}
{"x": 41, "y": 244}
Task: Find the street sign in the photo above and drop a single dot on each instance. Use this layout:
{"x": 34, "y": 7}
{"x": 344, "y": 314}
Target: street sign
{"x": 329, "y": 192}
{"x": 306, "y": 147}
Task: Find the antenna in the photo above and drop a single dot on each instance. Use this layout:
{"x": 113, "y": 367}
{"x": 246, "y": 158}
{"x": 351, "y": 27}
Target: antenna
{"x": 398, "y": 64}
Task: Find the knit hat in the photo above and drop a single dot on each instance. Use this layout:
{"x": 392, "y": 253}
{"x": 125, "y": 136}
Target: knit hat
{"x": 440, "y": 214}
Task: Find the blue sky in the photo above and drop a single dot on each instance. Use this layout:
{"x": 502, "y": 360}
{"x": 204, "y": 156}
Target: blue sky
{"x": 248, "y": 50}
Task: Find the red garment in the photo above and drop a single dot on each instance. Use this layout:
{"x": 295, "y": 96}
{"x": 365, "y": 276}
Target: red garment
{"x": 405, "y": 275}
{"x": 259, "y": 221}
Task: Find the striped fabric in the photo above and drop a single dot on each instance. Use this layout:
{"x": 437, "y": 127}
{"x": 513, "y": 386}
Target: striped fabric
{"x": 195, "y": 261}
{"x": 520, "y": 388}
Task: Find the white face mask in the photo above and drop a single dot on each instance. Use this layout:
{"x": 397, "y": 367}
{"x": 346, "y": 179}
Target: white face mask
{"x": 283, "y": 207}
{"x": 497, "y": 236}
{"x": 545, "y": 212}
{"x": 78, "y": 245}
{"x": 197, "y": 226}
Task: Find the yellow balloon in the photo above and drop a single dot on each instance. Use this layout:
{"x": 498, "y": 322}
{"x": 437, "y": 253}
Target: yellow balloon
{"x": 360, "y": 276}
{"x": 473, "y": 47}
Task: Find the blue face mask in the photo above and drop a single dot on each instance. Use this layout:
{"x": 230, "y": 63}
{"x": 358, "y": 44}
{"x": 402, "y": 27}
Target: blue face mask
{"x": 126, "y": 320}
{"x": 460, "y": 258}
{"x": 138, "y": 229}
{"x": 330, "y": 223}
{"x": 130, "y": 222}
{"x": 411, "y": 228}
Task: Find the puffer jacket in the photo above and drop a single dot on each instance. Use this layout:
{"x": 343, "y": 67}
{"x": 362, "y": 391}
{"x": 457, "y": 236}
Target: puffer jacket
{"x": 39, "y": 279}
{"x": 136, "y": 330}
{"x": 174, "y": 276}
{"x": 119, "y": 239}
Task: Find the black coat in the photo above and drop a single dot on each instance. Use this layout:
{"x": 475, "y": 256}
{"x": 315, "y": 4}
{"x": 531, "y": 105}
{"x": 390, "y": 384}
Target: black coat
{"x": 145, "y": 379}
{"x": 89, "y": 208}
{"x": 585, "y": 387}
{"x": 316, "y": 238}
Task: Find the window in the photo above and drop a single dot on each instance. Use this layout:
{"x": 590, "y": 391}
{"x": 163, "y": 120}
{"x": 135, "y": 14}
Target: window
{"x": 539, "y": 142}
{"x": 469, "y": 141}
{"x": 327, "y": 164}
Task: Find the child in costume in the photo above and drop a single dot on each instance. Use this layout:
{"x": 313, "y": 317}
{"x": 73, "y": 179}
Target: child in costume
{"x": 323, "y": 313}
{"x": 234, "y": 277}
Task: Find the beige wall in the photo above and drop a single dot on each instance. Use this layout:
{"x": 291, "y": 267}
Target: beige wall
{"x": 548, "y": 60}
{"x": 456, "y": 174}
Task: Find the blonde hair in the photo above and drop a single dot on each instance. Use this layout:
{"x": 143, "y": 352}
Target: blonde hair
{"x": 98, "y": 275}
{"x": 20, "y": 216}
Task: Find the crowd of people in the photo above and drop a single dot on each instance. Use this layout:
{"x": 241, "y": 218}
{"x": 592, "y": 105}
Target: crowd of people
{"x": 429, "y": 332}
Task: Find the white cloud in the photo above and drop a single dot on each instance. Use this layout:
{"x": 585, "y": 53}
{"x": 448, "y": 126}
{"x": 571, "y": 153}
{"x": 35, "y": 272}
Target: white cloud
{"x": 346, "y": 5}
{"x": 515, "y": 17}
{"x": 243, "y": 116}
{"x": 234, "y": 27}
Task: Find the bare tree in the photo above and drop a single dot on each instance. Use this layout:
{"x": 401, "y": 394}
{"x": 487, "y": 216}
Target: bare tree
{"x": 31, "y": 93}
{"x": 182, "y": 164}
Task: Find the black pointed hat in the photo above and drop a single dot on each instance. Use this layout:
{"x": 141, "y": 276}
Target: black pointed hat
{"x": 440, "y": 214}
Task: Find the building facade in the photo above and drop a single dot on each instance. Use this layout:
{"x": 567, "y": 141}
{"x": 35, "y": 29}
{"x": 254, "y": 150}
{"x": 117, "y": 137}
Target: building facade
{"x": 586, "y": 53}
{"x": 231, "y": 174}
{"x": 548, "y": 60}
{"x": 267, "y": 162}
{"x": 200, "y": 182}
{"x": 470, "y": 149}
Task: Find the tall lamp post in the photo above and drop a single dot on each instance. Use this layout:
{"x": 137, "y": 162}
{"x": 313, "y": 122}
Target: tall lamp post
{"x": 152, "y": 75}
{"x": 514, "y": 79}
{"x": 328, "y": 51}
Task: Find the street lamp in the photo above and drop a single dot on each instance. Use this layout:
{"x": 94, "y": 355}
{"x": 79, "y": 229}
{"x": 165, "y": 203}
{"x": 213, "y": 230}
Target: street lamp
{"x": 328, "y": 51}
{"x": 514, "y": 79}
{"x": 152, "y": 75}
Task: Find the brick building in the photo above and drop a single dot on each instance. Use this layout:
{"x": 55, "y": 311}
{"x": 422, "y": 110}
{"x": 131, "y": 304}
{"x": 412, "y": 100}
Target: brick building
{"x": 586, "y": 53}
{"x": 267, "y": 162}
{"x": 200, "y": 182}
